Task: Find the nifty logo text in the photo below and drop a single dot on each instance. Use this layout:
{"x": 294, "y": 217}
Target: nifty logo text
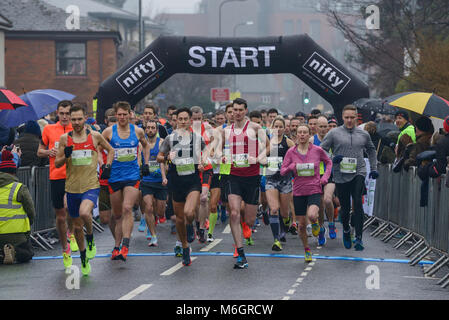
{"x": 140, "y": 72}
{"x": 326, "y": 73}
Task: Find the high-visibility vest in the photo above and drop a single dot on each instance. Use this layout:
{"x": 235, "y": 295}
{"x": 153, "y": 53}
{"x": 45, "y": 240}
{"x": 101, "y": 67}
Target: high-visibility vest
{"x": 13, "y": 219}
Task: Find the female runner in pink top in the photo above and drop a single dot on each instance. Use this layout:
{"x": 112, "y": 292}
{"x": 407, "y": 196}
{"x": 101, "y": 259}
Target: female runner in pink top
{"x": 303, "y": 160}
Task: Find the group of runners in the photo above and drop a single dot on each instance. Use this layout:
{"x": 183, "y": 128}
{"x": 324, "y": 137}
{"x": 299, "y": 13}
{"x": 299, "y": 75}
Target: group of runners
{"x": 290, "y": 172}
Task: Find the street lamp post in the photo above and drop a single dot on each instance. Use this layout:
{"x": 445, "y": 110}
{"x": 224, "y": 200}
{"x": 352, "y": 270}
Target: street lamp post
{"x": 219, "y": 20}
{"x": 219, "y": 13}
{"x": 234, "y": 32}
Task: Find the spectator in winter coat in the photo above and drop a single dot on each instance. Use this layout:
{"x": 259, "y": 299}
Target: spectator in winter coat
{"x": 424, "y": 131}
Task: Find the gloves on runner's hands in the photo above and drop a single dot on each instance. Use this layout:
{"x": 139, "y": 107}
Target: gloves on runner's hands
{"x": 68, "y": 151}
{"x": 373, "y": 175}
{"x": 323, "y": 181}
{"x": 337, "y": 159}
{"x": 106, "y": 172}
{"x": 145, "y": 170}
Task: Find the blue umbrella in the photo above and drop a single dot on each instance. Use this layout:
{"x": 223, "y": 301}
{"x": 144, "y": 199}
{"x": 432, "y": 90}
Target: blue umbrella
{"x": 40, "y": 103}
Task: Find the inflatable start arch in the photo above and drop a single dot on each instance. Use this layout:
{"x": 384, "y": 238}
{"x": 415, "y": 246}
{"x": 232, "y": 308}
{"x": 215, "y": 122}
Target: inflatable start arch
{"x": 168, "y": 55}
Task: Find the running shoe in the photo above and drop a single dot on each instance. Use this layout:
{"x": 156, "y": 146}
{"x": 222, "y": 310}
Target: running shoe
{"x": 10, "y": 254}
{"x": 347, "y": 242}
{"x": 249, "y": 242}
{"x": 236, "y": 254}
{"x": 332, "y": 230}
{"x": 142, "y": 225}
{"x": 322, "y": 237}
{"x": 178, "y": 251}
{"x": 66, "y": 258}
{"x": 293, "y": 229}
{"x": 241, "y": 263}
{"x": 358, "y": 245}
{"x": 186, "y": 257}
{"x": 162, "y": 219}
{"x": 91, "y": 249}
{"x": 153, "y": 242}
{"x": 115, "y": 254}
{"x": 190, "y": 233}
{"x": 85, "y": 267}
{"x": 123, "y": 253}
{"x": 276, "y": 246}
{"x": 148, "y": 234}
{"x": 309, "y": 230}
{"x": 73, "y": 244}
{"x": 308, "y": 256}
{"x": 202, "y": 236}
{"x": 246, "y": 230}
{"x": 315, "y": 229}
{"x": 282, "y": 237}
{"x": 352, "y": 234}
{"x": 257, "y": 223}
{"x": 210, "y": 238}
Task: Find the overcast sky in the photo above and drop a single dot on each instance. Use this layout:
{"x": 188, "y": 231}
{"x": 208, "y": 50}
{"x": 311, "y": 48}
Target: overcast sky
{"x": 171, "y": 6}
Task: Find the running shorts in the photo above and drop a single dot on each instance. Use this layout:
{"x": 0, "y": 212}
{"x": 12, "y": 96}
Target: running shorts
{"x": 245, "y": 187}
{"x": 215, "y": 183}
{"x": 180, "y": 193}
{"x": 57, "y": 190}
{"x": 224, "y": 188}
{"x": 283, "y": 185}
{"x": 301, "y": 203}
{"x": 156, "y": 189}
{"x": 74, "y": 201}
{"x": 104, "y": 202}
{"x": 206, "y": 178}
{"x": 120, "y": 185}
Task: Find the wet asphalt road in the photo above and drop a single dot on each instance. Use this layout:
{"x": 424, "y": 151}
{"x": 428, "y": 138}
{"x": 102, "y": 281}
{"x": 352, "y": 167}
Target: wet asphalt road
{"x": 154, "y": 273}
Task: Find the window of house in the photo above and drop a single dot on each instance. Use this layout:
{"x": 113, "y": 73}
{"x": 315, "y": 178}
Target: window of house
{"x": 289, "y": 28}
{"x": 315, "y": 30}
{"x": 71, "y": 58}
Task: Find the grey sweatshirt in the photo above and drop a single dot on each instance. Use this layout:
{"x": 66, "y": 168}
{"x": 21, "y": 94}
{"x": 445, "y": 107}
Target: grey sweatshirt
{"x": 350, "y": 143}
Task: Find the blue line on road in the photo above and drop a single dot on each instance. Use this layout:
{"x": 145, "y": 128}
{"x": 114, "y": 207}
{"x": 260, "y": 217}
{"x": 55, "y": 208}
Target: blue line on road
{"x": 258, "y": 255}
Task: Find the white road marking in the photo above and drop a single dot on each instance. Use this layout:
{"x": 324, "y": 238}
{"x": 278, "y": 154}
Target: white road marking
{"x": 227, "y": 229}
{"x": 295, "y": 285}
{"x": 311, "y": 264}
{"x": 291, "y": 291}
{"x": 308, "y": 269}
{"x": 304, "y": 274}
{"x": 175, "y": 268}
{"x": 286, "y": 298}
{"x": 299, "y": 279}
{"x": 136, "y": 292}
{"x": 211, "y": 245}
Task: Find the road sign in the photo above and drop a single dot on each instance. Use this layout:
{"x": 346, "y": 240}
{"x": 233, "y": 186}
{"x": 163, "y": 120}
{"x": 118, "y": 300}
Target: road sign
{"x": 219, "y": 94}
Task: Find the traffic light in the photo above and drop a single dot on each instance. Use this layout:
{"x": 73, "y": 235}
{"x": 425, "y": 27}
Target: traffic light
{"x": 305, "y": 97}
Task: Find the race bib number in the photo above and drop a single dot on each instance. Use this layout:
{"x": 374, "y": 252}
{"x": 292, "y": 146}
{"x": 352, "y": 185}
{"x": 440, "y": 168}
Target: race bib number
{"x": 82, "y": 157}
{"x": 348, "y": 165}
{"x": 126, "y": 154}
{"x": 305, "y": 169}
{"x": 241, "y": 160}
{"x": 184, "y": 166}
{"x": 154, "y": 166}
{"x": 274, "y": 163}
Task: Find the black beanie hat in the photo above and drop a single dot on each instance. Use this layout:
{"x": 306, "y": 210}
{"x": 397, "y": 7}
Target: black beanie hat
{"x": 424, "y": 124}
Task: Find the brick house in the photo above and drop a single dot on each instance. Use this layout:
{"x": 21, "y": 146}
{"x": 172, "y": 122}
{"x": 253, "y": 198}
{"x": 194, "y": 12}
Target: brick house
{"x": 42, "y": 53}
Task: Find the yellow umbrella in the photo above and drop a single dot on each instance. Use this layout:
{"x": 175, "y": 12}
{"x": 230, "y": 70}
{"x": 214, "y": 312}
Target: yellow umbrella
{"x": 424, "y": 103}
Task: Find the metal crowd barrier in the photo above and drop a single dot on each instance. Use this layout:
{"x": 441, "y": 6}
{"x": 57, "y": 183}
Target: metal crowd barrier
{"x": 397, "y": 208}
{"x": 38, "y": 182}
